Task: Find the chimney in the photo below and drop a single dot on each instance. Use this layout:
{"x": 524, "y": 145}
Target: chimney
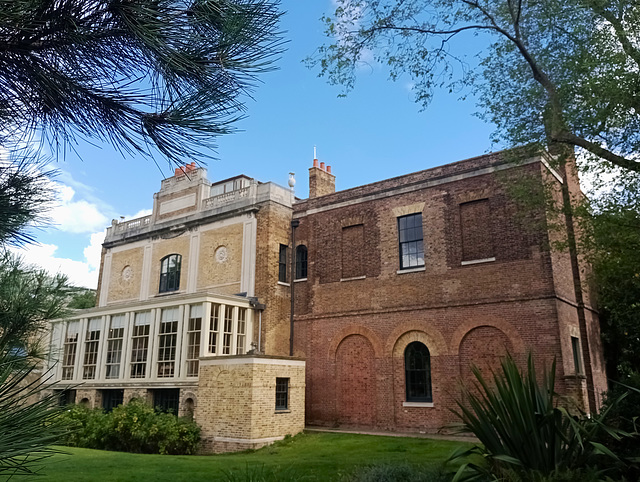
{"x": 321, "y": 181}
{"x": 185, "y": 169}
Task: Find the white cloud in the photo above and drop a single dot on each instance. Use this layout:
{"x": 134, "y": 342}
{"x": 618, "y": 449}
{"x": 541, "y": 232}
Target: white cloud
{"x": 140, "y": 214}
{"x": 76, "y": 216}
{"x": 80, "y": 273}
{"x": 93, "y": 252}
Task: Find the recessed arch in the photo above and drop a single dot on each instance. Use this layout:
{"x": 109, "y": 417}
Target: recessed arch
{"x": 507, "y": 328}
{"x": 355, "y": 330}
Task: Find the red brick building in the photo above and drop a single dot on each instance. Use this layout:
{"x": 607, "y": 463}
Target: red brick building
{"x": 401, "y": 285}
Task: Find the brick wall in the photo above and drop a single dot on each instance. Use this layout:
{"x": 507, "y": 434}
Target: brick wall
{"x": 212, "y": 271}
{"x": 236, "y": 401}
{"x": 125, "y": 287}
{"x": 273, "y": 229}
{"x": 353, "y": 333}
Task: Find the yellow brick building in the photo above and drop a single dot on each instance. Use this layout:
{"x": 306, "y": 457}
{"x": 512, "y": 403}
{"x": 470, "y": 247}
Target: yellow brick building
{"x": 192, "y": 314}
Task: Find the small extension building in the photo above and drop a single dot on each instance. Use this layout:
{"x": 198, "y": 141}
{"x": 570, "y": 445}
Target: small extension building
{"x": 399, "y": 287}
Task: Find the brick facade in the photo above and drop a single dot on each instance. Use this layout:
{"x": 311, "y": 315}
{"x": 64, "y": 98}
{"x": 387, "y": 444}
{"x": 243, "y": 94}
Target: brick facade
{"x": 238, "y": 404}
{"x": 388, "y": 324}
{"x": 489, "y": 284}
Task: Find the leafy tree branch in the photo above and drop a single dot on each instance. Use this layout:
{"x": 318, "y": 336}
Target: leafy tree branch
{"x": 556, "y": 72}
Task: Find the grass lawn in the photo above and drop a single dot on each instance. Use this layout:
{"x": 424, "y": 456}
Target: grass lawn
{"x": 316, "y": 456}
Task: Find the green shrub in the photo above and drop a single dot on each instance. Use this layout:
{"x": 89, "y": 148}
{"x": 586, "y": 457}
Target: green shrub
{"x": 525, "y": 436}
{"x": 87, "y": 427}
{"x": 399, "y": 473}
{"x": 135, "y": 427}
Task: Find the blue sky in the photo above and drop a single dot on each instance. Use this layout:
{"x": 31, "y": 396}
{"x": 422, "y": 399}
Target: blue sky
{"x": 376, "y": 132}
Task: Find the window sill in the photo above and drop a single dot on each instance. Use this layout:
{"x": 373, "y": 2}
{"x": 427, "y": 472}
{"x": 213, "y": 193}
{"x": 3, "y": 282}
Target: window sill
{"x": 418, "y": 404}
{"x": 575, "y": 376}
{"x": 299, "y": 280}
{"x": 283, "y": 411}
{"x": 167, "y": 293}
{"x": 353, "y": 279}
{"x": 411, "y": 270}
{"x": 478, "y": 261}
{"x": 281, "y": 283}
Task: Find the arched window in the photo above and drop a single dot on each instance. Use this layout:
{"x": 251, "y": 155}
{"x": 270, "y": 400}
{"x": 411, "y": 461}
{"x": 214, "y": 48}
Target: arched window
{"x": 170, "y": 273}
{"x": 417, "y": 367}
{"x": 301, "y": 262}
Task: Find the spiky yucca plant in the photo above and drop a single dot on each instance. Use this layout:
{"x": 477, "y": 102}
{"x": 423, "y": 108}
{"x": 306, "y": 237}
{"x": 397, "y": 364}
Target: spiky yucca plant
{"x": 525, "y": 435}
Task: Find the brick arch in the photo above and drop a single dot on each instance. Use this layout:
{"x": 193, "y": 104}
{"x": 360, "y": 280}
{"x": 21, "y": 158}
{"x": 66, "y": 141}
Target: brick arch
{"x": 355, "y": 330}
{"x": 408, "y": 332}
{"x": 507, "y": 328}
{"x": 188, "y": 408}
{"x": 355, "y": 379}
{"x": 483, "y": 347}
{"x": 191, "y": 395}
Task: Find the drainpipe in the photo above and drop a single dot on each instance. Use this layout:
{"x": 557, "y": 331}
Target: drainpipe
{"x": 260, "y": 332}
{"x": 294, "y": 224}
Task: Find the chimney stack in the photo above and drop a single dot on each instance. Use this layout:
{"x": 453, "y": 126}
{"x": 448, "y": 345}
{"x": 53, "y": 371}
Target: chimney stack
{"x": 321, "y": 181}
{"x": 185, "y": 169}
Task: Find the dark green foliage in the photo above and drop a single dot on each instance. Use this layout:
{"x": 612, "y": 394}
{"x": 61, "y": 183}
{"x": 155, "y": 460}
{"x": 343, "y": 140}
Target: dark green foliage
{"x": 26, "y": 194}
{"x": 622, "y": 403}
{"x": 613, "y": 244}
{"x": 29, "y": 421}
{"x": 82, "y": 299}
{"x": 29, "y": 297}
{"x": 134, "y": 74}
{"x": 135, "y": 427}
{"x": 399, "y": 473}
{"x": 524, "y": 434}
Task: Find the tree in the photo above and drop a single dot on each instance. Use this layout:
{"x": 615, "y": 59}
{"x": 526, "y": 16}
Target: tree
{"x": 133, "y": 73}
{"x": 613, "y": 242}
{"x": 29, "y": 297}
{"x": 138, "y": 74}
{"x": 557, "y": 74}
{"x": 26, "y": 193}
{"x": 563, "y": 72}
{"x": 82, "y": 298}
{"x": 29, "y": 420}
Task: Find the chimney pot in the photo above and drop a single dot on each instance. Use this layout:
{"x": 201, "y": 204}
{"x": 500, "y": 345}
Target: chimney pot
{"x": 178, "y": 171}
{"x": 322, "y": 166}
{"x": 315, "y": 163}
{"x": 329, "y": 169}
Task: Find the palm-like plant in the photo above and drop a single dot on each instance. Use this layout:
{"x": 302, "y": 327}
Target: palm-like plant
{"x": 29, "y": 421}
{"x": 522, "y": 429}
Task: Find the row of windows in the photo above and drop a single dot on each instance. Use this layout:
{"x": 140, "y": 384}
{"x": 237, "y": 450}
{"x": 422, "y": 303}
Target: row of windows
{"x": 417, "y": 365}
{"x": 411, "y": 249}
{"x": 227, "y": 335}
{"x": 476, "y": 242}
{"x": 165, "y": 399}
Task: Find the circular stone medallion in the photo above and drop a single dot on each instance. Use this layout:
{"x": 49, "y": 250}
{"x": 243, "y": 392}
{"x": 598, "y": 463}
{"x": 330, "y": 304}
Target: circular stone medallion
{"x": 221, "y": 254}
